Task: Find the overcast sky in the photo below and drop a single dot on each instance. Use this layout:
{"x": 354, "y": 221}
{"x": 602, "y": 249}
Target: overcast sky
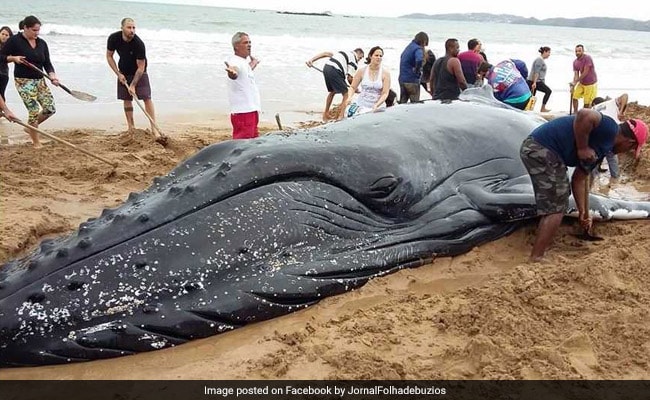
{"x": 392, "y": 8}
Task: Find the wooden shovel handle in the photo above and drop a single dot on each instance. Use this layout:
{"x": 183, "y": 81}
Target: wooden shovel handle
{"x": 137, "y": 101}
{"x": 35, "y": 68}
{"x": 65, "y": 142}
{"x": 589, "y": 233}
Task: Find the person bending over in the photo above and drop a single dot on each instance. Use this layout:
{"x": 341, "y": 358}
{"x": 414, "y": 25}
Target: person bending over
{"x": 581, "y": 140}
{"x": 338, "y": 73}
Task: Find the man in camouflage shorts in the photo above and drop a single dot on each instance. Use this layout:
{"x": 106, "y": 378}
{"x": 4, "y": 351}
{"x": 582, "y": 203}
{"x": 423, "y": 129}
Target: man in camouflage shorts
{"x": 549, "y": 176}
{"x": 583, "y": 140}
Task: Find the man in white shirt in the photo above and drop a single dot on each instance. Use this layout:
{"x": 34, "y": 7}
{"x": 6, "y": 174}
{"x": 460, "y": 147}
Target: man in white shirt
{"x": 245, "y": 104}
{"x": 614, "y": 108}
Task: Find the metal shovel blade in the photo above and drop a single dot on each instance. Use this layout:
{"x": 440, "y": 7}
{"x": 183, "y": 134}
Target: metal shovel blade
{"x": 82, "y": 96}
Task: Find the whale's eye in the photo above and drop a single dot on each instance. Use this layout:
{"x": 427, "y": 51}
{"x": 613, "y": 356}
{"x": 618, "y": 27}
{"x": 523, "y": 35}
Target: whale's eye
{"x": 383, "y": 186}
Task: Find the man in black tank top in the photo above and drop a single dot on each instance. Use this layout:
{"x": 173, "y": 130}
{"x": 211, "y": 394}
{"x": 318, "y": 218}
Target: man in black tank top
{"x": 447, "y": 79}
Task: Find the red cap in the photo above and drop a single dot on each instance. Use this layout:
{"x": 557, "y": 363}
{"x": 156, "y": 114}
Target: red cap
{"x": 640, "y": 130}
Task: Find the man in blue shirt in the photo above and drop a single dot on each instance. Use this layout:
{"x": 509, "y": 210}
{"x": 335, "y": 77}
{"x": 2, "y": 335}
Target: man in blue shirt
{"x": 582, "y": 141}
{"x": 410, "y": 68}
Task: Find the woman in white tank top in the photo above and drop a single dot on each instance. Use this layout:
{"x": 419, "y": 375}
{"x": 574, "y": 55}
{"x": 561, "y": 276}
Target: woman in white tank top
{"x": 373, "y": 82}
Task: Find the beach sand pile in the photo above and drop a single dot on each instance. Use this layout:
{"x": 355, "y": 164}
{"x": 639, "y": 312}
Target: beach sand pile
{"x": 583, "y": 313}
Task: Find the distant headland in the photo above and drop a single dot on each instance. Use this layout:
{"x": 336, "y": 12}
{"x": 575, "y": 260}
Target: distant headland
{"x": 588, "y": 22}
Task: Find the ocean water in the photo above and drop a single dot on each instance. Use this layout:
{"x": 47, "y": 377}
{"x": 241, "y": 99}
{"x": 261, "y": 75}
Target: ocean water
{"x": 186, "y": 47}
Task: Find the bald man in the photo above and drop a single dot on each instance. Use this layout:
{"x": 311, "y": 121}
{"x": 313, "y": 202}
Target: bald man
{"x": 131, "y": 71}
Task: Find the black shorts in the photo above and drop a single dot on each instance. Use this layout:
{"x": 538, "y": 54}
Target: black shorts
{"x": 334, "y": 79}
{"x": 142, "y": 89}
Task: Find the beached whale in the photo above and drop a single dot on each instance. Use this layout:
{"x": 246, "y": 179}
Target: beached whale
{"x": 249, "y": 230}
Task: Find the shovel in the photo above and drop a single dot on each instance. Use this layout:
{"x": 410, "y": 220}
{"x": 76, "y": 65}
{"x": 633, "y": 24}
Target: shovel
{"x": 588, "y": 234}
{"x": 75, "y": 93}
{"x": 317, "y": 69}
{"x": 65, "y": 142}
{"x": 160, "y": 137}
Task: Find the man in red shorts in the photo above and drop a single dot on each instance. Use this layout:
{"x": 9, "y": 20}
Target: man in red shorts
{"x": 243, "y": 93}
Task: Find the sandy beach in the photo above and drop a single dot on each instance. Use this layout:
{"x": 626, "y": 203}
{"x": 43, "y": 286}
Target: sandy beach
{"x": 583, "y": 313}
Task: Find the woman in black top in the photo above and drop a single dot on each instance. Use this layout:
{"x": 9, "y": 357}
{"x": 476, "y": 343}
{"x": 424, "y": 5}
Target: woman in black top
{"x": 27, "y": 47}
{"x": 5, "y": 34}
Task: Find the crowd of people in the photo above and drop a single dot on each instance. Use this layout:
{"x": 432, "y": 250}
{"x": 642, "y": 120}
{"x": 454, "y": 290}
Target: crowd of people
{"x": 446, "y": 77}
{"x": 582, "y": 139}
{"x": 364, "y": 88}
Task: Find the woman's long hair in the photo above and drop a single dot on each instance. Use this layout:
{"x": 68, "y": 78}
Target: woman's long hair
{"x": 371, "y": 52}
